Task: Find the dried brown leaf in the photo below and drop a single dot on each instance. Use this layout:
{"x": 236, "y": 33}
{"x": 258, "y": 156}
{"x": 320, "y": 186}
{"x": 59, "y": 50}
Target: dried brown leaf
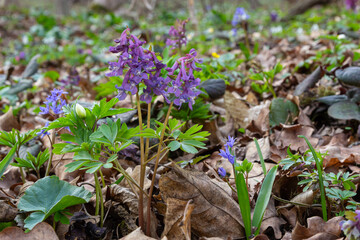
{"x": 138, "y": 235}
{"x": 289, "y": 136}
{"x": 318, "y": 229}
{"x": 40, "y": 232}
{"x": 252, "y": 153}
{"x": 236, "y": 109}
{"x": 8, "y": 121}
{"x": 215, "y": 214}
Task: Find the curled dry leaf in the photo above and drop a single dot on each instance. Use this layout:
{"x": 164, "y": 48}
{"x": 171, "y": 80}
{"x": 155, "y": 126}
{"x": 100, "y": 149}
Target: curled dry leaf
{"x": 261, "y": 237}
{"x": 289, "y": 136}
{"x": 137, "y": 234}
{"x": 252, "y": 153}
{"x": 135, "y": 174}
{"x": 8, "y": 121}
{"x": 272, "y": 221}
{"x": 215, "y": 213}
{"x": 297, "y": 211}
{"x": 177, "y": 216}
{"x": 7, "y": 212}
{"x": 125, "y": 209}
{"x": 237, "y": 109}
{"x": 185, "y": 223}
{"x": 259, "y": 118}
{"x": 318, "y": 229}
{"x": 40, "y": 232}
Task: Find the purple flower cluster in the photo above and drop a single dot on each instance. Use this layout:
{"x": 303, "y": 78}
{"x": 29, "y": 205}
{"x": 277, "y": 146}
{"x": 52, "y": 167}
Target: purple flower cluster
{"x": 240, "y": 16}
{"x": 351, "y": 4}
{"x": 54, "y": 102}
{"x": 72, "y": 79}
{"x": 177, "y": 35}
{"x": 142, "y": 66}
{"x": 184, "y": 85}
{"x": 274, "y": 16}
{"x": 227, "y": 153}
{"x": 351, "y": 227}
{"x": 21, "y": 56}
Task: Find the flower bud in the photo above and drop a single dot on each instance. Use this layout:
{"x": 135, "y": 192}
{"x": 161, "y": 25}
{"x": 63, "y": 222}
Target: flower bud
{"x": 80, "y": 111}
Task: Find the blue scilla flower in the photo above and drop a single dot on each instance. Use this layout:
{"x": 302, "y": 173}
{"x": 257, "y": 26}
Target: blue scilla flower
{"x": 54, "y": 102}
{"x": 227, "y": 154}
{"x": 222, "y": 172}
{"x": 240, "y": 16}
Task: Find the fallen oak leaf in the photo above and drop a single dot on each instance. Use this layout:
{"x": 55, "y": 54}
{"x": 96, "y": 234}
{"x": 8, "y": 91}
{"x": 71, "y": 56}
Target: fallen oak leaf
{"x": 318, "y": 229}
{"x": 215, "y": 213}
{"x": 185, "y": 223}
{"x": 41, "y": 231}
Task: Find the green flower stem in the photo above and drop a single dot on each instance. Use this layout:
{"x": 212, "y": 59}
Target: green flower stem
{"x": 260, "y": 156}
{"x": 54, "y": 223}
{"x": 18, "y": 155}
{"x": 128, "y": 178}
{"x": 102, "y": 178}
{"x": 142, "y": 165}
{"x": 246, "y": 36}
{"x": 319, "y": 166}
{"x": 271, "y": 89}
{"x": 52, "y": 142}
{"x": 155, "y": 169}
{"x": 163, "y": 150}
{"x": 227, "y": 181}
{"x": 147, "y": 143}
{"x": 22, "y": 175}
{"x": 21, "y": 169}
{"x": 99, "y": 200}
{"x": 156, "y": 145}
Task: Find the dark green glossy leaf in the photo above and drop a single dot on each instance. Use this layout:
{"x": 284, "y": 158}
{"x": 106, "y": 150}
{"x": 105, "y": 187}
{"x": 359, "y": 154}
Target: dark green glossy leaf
{"x": 282, "y": 111}
{"x": 344, "y": 110}
{"x": 48, "y": 196}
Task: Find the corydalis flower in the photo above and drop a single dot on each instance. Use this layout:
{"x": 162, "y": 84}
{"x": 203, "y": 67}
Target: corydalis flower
{"x": 21, "y": 56}
{"x": 141, "y": 64}
{"x": 274, "y": 16}
{"x": 240, "y": 16}
{"x": 184, "y": 85}
{"x": 351, "y": 227}
{"x": 177, "y": 34}
{"x": 54, "y": 102}
{"x": 72, "y": 79}
{"x": 351, "y": 4}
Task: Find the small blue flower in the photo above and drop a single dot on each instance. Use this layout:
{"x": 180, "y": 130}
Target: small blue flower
{"x": 222, "y": 172}
{"x": 43, "y": 131}
{"x": 230, "y": 142}
{"x": 227, "y": 154}
{"x": 52, "y": 102}
{"x": 240, "y": 15}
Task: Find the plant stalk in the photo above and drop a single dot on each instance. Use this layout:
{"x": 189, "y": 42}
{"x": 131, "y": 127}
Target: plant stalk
{"x": 99, "y": 200}
{"x": 147, "y": 143}
{"x": 53, "y": 134}
{"x": 142, "y": 165}
{"x": 102, "y": 178}
{"x": 319, "y": 167}
{"x": 155, "y": 169}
